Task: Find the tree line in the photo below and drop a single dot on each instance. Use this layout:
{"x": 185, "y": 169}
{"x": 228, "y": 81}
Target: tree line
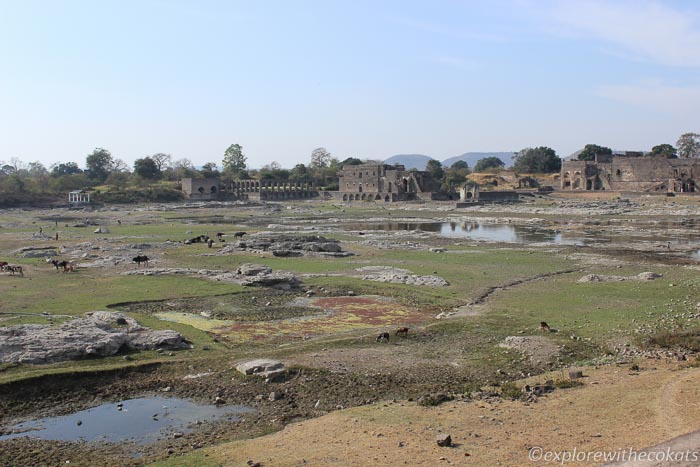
{"x": 154, "y": 176}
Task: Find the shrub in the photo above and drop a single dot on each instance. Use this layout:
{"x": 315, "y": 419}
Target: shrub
{"x": 676, "y": 339}
{"x": 567, "y": 383}
{"x": 510, "y": 390}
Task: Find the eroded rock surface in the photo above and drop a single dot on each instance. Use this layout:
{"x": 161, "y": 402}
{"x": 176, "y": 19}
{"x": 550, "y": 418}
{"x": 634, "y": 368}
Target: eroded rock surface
{"x": 400, "y": 276}
{"x": 250, "y": 275}
{"x": 98, "y": 334}
{"x": 642, "y": 276}
{"x": 289, "y": 245}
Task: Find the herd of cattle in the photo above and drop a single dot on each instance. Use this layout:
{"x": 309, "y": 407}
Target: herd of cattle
{"x": 68, "y": 266}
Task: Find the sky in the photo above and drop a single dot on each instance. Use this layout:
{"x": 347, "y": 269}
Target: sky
{"x": 362, "y": 78}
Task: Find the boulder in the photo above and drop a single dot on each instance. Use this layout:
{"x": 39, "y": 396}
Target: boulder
{"x": 444, "y": 440}
{"x": 265, "y": 368}
{"x": 97, "y": 334}
{"x": 249, "y": 269}
{"x": 289, "y": 246}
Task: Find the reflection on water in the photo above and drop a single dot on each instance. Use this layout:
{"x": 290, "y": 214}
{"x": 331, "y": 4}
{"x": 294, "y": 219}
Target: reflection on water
{"x": 479, "y": 231}
{"x": 142, "y": 420}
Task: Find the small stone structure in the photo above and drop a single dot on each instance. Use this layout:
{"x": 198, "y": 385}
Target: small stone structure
{"x": 632, "y": 172}
{"x": 383, "y": 182}
{"x": 205, "y": 189}
{"x": 79, "y": 197}
{"x": 470, "y": 194}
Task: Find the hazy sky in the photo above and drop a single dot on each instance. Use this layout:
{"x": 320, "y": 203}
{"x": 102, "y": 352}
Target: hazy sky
{"x": 367, "y": 79}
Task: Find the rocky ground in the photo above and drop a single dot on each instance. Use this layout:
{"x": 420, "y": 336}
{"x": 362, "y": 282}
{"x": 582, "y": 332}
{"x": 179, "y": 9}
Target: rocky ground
{"x": 332, "y": 369}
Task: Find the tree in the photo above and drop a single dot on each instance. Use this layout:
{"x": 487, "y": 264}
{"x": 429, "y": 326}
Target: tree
{"x": 350, "y": 161}
{"x": 435, "y": 169}
{"x": 163, "y": 161}
{"x": 146, "y": 168}
{"x": 234, "y": 162}
{"x": 69, "y": 168}
{"x": 456, "y": 175}
{"x": 537, "y": 160}
{"x": 688, "y": 145}
{"x": 184, "y": 168}
{"x": 37, "y": 169}
{"x": 210, "y": 170}
{"x": 665, "y": 150}
{"x": 320, "y": 158}
{"x": 99, "y": 164}
{"x": 591, "y": 150}
{"x": 120, "y": 165}
{"x": 300, "y": 173}
{"x": 486, "y": 163}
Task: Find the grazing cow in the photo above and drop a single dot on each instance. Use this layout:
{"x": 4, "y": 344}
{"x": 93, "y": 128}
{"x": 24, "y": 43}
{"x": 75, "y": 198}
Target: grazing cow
{"x": 544, "y": 327}
{"x": 60, "y": 264}
{"x": 199, "y": 239}
{"x": 239, "y": 234}
{"x": 140, "y": 259}
{"x": 383, "y": 337}
{"x": 403, "y": 331}
{"x": 220, "y": 235}
{"x": 15, "y": 269}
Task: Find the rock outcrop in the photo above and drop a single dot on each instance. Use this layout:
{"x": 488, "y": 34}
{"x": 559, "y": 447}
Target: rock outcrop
{"x": 98, "y": 334}
{"x": 249, "y": 275}
{"x": 400, "y": 276}
{"x": 289, "y": 245}
{"x": 271, "y": 370}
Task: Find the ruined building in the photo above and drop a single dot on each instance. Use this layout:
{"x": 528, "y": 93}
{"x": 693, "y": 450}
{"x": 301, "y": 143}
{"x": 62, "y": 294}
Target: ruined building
{"x": 631, "y": 172}
{"x": 209, "y": 189}
{"x": 383, "y": 182}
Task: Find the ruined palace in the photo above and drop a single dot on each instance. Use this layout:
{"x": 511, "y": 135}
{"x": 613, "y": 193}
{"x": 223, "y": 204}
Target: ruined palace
{"x": 383, "y": 182}
{"x": 632, "y": 172}
{"x": 208, "y": 189}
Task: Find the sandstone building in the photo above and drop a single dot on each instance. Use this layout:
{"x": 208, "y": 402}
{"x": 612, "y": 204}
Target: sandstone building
{"x": 383, "y": 182}
{"x": 631, "y": 172}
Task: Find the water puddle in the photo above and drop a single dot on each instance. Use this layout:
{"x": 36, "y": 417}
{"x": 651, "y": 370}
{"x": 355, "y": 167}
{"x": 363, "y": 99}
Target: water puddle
{"x": 479, "y": 231}
{"x": 143, "y": 420}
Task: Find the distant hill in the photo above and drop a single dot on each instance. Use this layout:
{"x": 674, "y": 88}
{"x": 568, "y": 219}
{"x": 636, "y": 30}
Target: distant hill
{"x": 418, "y": 161}
{"x": 471, "y": 158}
{"x": 410, "y": 161}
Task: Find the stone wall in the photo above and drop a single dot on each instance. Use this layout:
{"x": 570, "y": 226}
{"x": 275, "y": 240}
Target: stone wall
{"x": 631, "y": 173}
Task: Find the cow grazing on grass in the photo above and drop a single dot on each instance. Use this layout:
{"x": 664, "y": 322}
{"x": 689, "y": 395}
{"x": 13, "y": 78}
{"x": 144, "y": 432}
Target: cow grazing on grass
{"x": 403, "y": 331}
{"x": 140, "y": 259}
{"x": 15, "y": 269}
{"x": 383, "y": 337}
{"x": 544, "y": 327}
{"x": 199, "y": 239}
{"x": 239, "y": 234}
{"x": 61, "y": 264}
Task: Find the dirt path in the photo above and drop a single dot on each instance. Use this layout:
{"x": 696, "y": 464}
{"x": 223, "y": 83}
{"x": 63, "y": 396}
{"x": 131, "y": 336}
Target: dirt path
{"x": 634, "y": 404}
